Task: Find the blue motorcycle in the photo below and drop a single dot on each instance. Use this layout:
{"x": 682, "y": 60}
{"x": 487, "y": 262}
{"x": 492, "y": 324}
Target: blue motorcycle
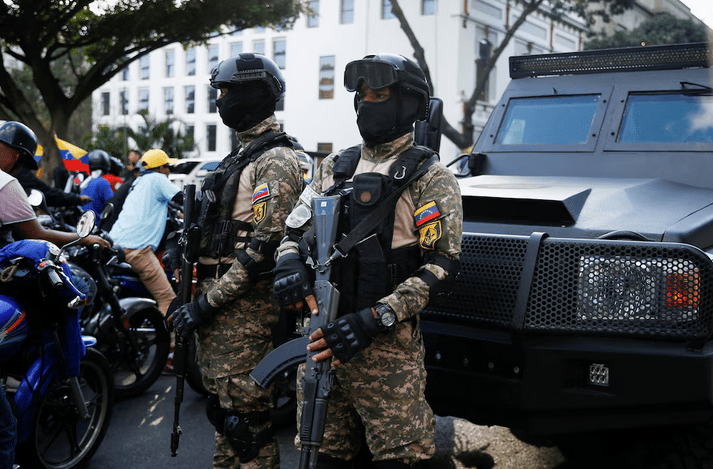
{"x": 61, "y": 390}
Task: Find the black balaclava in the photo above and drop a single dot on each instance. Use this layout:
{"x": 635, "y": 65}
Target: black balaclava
{"x": 387, "y": 120}
{"x": 246, "y": 105}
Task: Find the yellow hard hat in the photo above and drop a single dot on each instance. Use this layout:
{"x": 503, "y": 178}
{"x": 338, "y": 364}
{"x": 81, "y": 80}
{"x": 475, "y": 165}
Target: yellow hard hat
{"x": 155, "y": 158}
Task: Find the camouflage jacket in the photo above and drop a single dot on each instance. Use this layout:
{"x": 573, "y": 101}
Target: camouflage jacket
{"x": 268, "y": 189}
{"x": 429, "y": 213}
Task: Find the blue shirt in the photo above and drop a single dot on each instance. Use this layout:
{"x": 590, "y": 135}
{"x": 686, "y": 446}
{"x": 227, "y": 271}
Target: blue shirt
{"x": 100, "y": 191}
{"x": 142, "y": 220}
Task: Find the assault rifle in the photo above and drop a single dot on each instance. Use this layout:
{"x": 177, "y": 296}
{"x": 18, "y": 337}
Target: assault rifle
{"x": 318, "y": 376}
{"x": 188, "y": 242}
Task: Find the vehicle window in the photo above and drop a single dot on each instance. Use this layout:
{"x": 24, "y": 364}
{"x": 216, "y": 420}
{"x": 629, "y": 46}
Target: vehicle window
{"x": 551, "y": 120}
{"x": 667, "y": 117}
{"x": 210, "y": 166}
{"x": 183, "y": 168}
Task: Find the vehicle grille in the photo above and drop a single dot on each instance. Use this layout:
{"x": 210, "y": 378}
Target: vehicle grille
{"x": 580, "y": 286}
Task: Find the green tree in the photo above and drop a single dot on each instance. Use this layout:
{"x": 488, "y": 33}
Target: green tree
{"x": 108, "y": 36}
{"x": 663, "y": 28}
{"x": 165, "y": 135}
{"x": 463, "y": 138}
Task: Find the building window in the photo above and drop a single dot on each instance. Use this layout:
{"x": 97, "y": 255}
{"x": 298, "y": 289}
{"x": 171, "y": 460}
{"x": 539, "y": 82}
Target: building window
{"x": 168, "y": 100}
{"x": 190, "y": 99}
{"x": 144, "y": 61}
{"x": 190, "y": 130}
{"x": 124, "y": 102}
{"x": 191, "y": 61}
{"x": 144, "y": 99}
{"x": 313, "y": 15}
{"x": 210, "y": 131}
{"x": 347, "y": 14}
{"x": 428, "y": 7}
{"x": 105, "y": 103}
{"x": 125, "y": 73}
{"x": 481, "y": 34}
{"x": 170, "y": 63}
{"x": 279, "y": 52}
{"x": 326, "y": 77}
{"x": 212, "y": 96}
{"x": 212, "y": 57}
{"x": 236, "y": 49}
{"x": 259, "y": 47}
{"x": 386, "y": 13}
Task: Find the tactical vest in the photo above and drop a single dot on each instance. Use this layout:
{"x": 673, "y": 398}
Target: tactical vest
{"x": 219, "y": 233}
{"x": 372, "y": 269}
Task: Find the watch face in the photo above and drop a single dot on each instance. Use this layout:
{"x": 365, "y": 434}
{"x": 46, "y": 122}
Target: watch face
{"x": 388, "y": 318}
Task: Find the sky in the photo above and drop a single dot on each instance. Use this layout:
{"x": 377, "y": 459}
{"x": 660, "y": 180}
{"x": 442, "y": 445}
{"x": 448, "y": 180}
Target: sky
{"x": 703, "y": 9}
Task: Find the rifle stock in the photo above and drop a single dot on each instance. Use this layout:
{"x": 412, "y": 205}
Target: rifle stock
{"x": 318, "y": 376}
{"x": 187, "y": 242}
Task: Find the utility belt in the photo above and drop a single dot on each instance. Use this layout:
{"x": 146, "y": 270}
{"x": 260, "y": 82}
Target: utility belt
{"x": 226, "y": 237}
{"x": 215, "y": 271}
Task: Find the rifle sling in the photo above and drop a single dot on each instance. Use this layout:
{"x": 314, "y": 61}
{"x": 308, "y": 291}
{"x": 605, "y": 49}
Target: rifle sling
{"x": 364, "y": 227}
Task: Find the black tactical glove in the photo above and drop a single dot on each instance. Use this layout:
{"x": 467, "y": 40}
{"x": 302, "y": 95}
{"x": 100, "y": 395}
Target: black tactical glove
{"x": 292, "y": 281}
{"x": 189, "y": 316}
{"x": 350, "y": 334}
{"x": 172, "y": 253}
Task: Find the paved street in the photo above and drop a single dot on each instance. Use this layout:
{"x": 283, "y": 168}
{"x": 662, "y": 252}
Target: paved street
{"x": 139, "y": 435}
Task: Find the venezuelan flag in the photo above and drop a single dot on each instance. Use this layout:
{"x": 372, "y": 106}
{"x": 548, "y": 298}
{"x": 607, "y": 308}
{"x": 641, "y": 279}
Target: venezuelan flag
{"x": 73, "y": 157}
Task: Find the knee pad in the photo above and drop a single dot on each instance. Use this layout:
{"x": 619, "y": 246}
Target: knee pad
{"x": 244, "y": 442}
{"x": 216, "y": 415}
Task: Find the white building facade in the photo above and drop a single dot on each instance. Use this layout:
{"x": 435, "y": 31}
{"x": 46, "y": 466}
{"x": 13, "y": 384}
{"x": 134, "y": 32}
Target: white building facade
{"x": 317, "y": 110}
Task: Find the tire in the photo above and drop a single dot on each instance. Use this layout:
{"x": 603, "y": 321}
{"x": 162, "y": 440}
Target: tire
{"x": 135, "y": 373}
{"x": 194, "y": 375}
{"x": 284, "y": 399}
{"x": 56, "y": 423}
{"x": 684, "y": 447}
{"x": 284, "y": 411}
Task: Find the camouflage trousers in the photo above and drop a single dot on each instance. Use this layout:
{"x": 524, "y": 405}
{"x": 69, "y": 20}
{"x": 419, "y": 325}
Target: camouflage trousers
{"x": 229, "y": 347}
{"x": 380, "y": 393}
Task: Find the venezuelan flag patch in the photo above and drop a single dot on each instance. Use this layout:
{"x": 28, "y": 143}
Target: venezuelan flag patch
{"x": 426, "y": 213}
{"x": 261, "y": 192}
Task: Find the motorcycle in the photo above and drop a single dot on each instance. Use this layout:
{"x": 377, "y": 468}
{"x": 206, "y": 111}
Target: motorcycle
{"x": 130, "y": 330}
{"x": 60, "y": 388}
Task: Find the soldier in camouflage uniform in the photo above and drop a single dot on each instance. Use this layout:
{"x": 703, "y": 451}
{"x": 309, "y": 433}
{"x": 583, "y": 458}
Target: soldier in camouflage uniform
{"x": 376, "y": 345}
{"x": 255, "y": 188}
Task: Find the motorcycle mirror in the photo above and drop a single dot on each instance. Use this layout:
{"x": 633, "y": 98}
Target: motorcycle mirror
{"x": 108, "y": 209}
{"x": 35, "y": 198}
{"x": 86, "y": 223}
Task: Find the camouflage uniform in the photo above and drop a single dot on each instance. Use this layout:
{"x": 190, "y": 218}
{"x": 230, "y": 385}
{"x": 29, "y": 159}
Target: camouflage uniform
{"x": 381, "y": 389}
{"x": 239, "y": 335}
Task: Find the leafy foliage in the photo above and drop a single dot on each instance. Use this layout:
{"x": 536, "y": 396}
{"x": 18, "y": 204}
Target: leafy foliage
{"x": 663, "y": 28}
{"x": 586, "y": 9}
{"x": 106, "y": 36}
{"x": 153, "y": 134}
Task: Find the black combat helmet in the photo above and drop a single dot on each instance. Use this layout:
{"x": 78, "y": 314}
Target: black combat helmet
{"x": 383, "y": 70}
{"x": 99, "y": 159}
{"x": 248, "y": 67}
{"x": 21, "y": 138}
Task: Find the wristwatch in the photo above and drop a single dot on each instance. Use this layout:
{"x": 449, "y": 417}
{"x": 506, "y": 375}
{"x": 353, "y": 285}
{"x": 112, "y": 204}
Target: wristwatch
{"x": 385, "y": 317}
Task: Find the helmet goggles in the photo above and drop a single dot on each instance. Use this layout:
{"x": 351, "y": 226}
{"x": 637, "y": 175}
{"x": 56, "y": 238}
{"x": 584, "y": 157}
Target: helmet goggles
{"x": 376, "y": 73}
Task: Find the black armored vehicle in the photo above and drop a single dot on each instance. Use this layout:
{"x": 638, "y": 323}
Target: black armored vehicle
{"x": 583, "y": 313}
